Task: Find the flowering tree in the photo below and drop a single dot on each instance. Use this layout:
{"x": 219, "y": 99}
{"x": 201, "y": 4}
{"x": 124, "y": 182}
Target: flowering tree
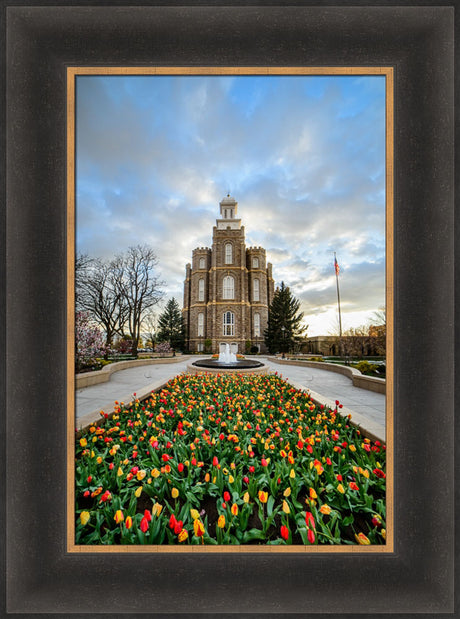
{"x": 163, "y": 348}
{"x": 89, "y": 341}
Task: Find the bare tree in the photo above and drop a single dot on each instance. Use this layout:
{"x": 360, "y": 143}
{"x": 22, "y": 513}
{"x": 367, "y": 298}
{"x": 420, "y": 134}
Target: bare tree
{"x": 97, "y": 292}
{"x": 149, "y": 325}
{"x": 139, "y": 287}
{"x": 378, "y": 330}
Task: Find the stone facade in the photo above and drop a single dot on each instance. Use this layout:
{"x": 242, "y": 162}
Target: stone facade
{"x": 228, "y": 288}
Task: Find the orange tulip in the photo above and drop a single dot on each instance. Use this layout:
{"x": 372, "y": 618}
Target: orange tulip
{"x": 263, "y": 496}
{"x": 362, "y": 539}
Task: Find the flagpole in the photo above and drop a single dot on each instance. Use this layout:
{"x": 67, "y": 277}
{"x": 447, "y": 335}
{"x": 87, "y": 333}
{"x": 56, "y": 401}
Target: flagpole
{"x": 336, "y": 267}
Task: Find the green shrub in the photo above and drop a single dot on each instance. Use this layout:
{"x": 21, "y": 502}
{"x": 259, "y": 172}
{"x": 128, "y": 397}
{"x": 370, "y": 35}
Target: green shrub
{"x": 369, "y": 369}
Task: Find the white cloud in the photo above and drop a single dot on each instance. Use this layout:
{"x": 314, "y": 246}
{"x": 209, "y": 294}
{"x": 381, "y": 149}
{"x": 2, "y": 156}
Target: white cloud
{"x": 303, "y": 157}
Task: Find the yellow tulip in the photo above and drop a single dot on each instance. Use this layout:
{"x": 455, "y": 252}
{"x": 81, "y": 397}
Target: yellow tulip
{"x": 157, "y": 509}
{"x": 119, "y": 472}
{"x": 119, "y": 517}
{"x": 198, "y": 527}
{"x": 138, "y": 491}
{"x": 141, "y": 474}
{"x": 292, "y": 474}
{"x": 286, "y": 508}
{"x": 287, "y": 492}
{"x": 341, "y": 489}
{"x": 84, "y": 517}
{"x": 221, "y": 521}
{"x": 231, "y": 479}
{"x": 313, "y": 494}
{"x": 195, "y": 514}
{"x": 325, "y": 509}
{"x": 234, "y": 509}
{"x": 155, "y": 473}
{"x": 83, "y": 442}
{"x": 183, "y": 535}
{"x": 246, "y": 497}
{"x": 174, "y": 493}
{"x": 128, "y": 522}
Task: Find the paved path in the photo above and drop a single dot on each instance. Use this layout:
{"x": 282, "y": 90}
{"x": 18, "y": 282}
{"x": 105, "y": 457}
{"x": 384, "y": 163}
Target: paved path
{"x": 141, "y": 380}
{"x": 366, "y": 407}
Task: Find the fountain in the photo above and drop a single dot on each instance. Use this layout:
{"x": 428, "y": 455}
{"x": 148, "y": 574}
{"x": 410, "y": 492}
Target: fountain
{"x": 227, "y": 362}
{"x": 226, "y": 356}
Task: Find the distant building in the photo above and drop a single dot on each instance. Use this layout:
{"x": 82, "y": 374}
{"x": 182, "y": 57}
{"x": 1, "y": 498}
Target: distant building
{"x": 228, "y": 289}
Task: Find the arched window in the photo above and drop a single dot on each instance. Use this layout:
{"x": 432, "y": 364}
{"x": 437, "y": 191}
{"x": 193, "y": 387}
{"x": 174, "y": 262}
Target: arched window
{"x": 256, "y": 325}
{"x": 201, "y": 290}
{"x": 228, "y": 253}
{"x": 255, "y": 290}
{"x": 228, "y": 287}
{"x": 229, "y": 323}
{"x": 255, "y": 263}
{"x": 202, "y": 263}
{"x": 200, "y": 325}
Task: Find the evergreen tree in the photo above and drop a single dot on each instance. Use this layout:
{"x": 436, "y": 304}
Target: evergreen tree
{"x": 171, "y": 326}
{"x": 284, "y": 321}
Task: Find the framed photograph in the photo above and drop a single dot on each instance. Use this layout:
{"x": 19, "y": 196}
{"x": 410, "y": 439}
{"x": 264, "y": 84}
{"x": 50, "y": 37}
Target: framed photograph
{"x": 172, "y": 477}
{"x": 54, "y": 51}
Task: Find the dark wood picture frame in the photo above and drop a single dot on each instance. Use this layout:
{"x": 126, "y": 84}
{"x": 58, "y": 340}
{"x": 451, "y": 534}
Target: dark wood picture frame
{"x": 41, "y": 42}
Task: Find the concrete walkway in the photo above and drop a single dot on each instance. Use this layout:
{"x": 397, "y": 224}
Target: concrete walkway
{"x": 366, "y": 407}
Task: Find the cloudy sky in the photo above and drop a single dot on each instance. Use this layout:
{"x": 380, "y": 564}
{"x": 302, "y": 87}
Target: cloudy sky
{"x": 304, "y": 157}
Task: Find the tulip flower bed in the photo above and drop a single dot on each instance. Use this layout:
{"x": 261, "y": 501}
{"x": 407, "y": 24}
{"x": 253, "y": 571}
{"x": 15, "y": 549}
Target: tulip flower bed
{"x": 228, "y": 459}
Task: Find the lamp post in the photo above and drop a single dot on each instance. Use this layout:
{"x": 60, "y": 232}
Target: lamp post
{"x": 283, "y": 329}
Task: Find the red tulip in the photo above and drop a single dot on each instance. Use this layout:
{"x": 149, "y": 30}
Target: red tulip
{"x": 284, "y": 532}
{"x": 144, "y": 525}
{"x": 227, "y": 496}
{"x": 147, "y": 515}
{"x": 311, "y": 536}
{"x": 310, "y": 521}
{"x": 180, "y": 467}
{"x": 178, "y": 527}
{"x": 215, "y": 461}
{"x": 379, "y": 473}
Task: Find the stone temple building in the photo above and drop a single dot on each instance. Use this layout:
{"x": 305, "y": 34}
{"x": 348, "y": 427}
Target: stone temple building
{"x": 228, "y": 289}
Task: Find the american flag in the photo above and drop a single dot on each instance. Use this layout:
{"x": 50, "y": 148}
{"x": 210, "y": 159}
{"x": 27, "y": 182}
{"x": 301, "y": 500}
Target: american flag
{"x": 336, "y": 266}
